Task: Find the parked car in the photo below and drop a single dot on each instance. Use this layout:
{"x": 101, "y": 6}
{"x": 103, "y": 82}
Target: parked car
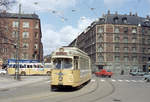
{"x": 136, "y": 73}
{"x": 147, "y": 79}
{"x": 146, "y": 76}
{"x": 3, "y": 71}
{"x": 104, "y": 73}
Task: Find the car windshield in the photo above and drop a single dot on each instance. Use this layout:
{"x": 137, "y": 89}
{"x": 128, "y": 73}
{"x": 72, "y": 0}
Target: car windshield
{"x": 62, "y": 63}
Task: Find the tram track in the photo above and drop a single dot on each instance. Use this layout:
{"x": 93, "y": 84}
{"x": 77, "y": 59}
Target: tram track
{"x": 70, "y": 99}
{"x": 84, "y": 93}
{"x": 81, "y": 95}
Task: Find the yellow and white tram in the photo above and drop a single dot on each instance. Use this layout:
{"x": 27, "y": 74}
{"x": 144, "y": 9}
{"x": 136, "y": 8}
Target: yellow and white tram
{"x": 71, "y": 67}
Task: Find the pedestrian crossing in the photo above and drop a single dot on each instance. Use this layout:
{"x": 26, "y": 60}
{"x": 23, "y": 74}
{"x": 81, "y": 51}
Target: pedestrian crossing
{"x": 122, "y": 80}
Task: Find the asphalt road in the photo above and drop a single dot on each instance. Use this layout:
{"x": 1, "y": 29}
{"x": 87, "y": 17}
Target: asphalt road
{"x": 115, "y": 89}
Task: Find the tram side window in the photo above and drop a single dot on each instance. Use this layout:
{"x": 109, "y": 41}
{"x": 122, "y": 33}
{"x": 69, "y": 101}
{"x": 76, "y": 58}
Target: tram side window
{"x": 76, "y": 59}
{"x": 28, "y": 66}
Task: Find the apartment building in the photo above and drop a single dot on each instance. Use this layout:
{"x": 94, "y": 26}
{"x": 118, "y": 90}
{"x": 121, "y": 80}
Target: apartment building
{"x": 30, "y": 36}
{"x": 117, "y": 42}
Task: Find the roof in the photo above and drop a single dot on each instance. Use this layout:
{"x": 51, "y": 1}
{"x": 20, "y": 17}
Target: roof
{"x": 123, "y": 19}
{"x": 16, "y": 15}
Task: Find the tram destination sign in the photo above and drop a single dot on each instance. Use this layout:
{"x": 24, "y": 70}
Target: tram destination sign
{"x": 61, "y": 53}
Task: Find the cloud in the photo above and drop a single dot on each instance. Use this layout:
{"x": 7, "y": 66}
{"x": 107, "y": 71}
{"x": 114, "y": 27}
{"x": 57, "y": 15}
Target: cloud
{"x": 53, "y": 39}
{"x": 43, "y": 5}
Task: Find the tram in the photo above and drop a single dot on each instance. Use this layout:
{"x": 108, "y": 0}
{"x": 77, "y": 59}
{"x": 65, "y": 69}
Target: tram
{"x": 30, "y": 68}
{"x": 71, "y": 67}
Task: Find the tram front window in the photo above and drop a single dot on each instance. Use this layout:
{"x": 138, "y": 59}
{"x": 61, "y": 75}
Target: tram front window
{"x": 63, "y": 63}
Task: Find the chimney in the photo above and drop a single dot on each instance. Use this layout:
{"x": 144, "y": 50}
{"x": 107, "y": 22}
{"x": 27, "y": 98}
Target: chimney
{"x": 116, "y": 13}
{"x": 136, "y": 14}
{"x": 130, "y": 14}
{"x": 147, "y": 16}
{"x": 108, "y": 12}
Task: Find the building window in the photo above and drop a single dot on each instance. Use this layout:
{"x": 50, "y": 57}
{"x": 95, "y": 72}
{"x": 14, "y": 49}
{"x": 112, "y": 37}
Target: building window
{"x": 148, "y": 41}
{"x": 25, "y": 24}
{"x": 126, "y": 58}
{"x": 124, "y": 20}
{"x": 125, "y": 49}
{"x": 13, "y": 56}
{"x": 117, "y": 49}
{"x": 117, "y": 38}
{"x": 134, "y": 58}
{"x": 101, "y": 58}
{"x": 148, "y": 50}
{"x": 133, "y": 40}
{"x": 116, "y": 30}
{"x": 144, "y": 58}
{"x": 100, "y": 49}
{"x": 36, "y": 34}
{"x": 15, "y": 24}
{"x": 134, "y": 30}
{"x": 143, "y": 50}
{"x": 25, "y": 56}
{"x": 25, "y": 45}
{"x": 133, "y": 49}
{"x": 100, "y": 30}
{"x": 125, "y": 39}
{"x": 37, "y": 25}
{"x": 14, "y": 34}
{"x": 100, "y": 39}
{"x": 5, "y": 50}
{"x": 35, "y": 46}
{"x": 125, "y": 29}
{"x": 116, "y": 20}
{"x": 25, "y": 34}
{"x": 117, "y": 58}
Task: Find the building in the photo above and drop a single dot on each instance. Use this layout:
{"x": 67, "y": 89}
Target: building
{"x": 117, "y": 42}
{"x": 29, "y": 36}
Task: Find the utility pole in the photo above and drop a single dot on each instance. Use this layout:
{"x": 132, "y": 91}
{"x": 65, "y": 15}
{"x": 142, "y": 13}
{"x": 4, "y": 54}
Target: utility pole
{"x": 17, "y": 76}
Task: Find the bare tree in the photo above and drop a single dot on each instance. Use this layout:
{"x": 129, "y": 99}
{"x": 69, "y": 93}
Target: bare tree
{"x": 6, "y": 4}
{"x": 5, "y": 29}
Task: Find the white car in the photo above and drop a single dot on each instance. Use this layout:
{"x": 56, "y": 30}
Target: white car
{"x": 3, "y": 71}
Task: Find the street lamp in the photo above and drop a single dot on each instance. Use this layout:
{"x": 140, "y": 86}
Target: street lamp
{"x": 17, "y": 76}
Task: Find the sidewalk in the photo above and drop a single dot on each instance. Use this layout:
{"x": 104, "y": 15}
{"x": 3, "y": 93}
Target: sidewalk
{"x": 7, "y": 82}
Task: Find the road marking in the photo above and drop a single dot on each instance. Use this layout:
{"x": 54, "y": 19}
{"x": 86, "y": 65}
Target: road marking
{"x": 113, "y": 80}
{"x": 141, "y": 81}
{"x": 120, "y": 80}
{"x": 133, "y": 81}
{"x": 127, "y": 80}
{"x": 102, "y": 80}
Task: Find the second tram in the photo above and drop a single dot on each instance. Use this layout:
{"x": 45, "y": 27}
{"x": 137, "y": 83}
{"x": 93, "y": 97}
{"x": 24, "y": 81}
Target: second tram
{"x": 71, "y": 67}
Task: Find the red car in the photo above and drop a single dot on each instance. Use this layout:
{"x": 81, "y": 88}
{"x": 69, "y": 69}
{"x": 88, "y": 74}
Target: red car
{"x": 104, "y": 73}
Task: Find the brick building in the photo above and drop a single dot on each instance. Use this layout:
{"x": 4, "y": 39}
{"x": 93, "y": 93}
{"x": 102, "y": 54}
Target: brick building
{"x": 29, "y": 37}
{"x": 117, "y": 42}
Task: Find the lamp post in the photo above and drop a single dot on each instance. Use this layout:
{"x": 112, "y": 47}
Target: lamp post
{"x": 17, "y": 76}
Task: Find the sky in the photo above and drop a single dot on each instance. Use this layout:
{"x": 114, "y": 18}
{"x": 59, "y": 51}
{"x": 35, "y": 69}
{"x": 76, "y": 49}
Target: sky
{"x": 63, "y": 20}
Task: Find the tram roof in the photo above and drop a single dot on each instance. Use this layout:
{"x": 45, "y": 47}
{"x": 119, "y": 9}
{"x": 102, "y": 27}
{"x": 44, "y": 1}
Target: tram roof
{"x": 71, "y": 49}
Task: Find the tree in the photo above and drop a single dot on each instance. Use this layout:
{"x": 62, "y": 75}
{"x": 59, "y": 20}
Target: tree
{"x": 5, "y": 29}
{"x": 6, "y": 4}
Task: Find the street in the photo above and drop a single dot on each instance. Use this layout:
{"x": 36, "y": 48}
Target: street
{"x": 118, "y": 88}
